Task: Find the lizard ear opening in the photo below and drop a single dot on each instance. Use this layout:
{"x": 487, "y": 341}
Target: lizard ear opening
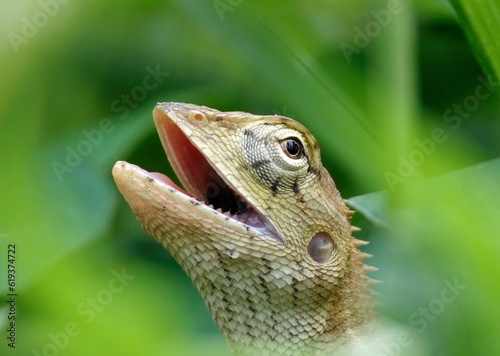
{"x": 321, "y": 247}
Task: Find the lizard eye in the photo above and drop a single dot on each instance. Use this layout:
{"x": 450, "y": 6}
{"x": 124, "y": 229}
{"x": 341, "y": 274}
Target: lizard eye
{"x": 321, "y": 247}
{"x": 292, "y": 147}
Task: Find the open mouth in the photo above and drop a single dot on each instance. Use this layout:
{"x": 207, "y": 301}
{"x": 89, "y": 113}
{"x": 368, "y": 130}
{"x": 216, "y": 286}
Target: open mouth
{"x": 203, "y": 182}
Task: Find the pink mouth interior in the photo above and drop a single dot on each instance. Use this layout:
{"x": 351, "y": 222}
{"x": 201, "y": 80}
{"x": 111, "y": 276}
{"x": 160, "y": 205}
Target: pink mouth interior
{"x": 195, "y": 172}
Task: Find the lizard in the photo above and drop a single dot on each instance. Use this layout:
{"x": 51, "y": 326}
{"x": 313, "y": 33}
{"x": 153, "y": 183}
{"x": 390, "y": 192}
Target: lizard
{"x": 260, "y": 228}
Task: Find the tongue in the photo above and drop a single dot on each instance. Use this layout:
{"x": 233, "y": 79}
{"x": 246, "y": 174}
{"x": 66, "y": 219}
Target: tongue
{"x": 163, "y": 178}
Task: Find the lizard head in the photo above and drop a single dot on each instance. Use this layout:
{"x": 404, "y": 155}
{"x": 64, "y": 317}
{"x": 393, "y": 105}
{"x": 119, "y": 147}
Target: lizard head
{"x": 260, "y": 227}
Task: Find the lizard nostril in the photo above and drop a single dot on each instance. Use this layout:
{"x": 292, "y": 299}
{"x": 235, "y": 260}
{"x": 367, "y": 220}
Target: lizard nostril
{"x": 321, "y": 247}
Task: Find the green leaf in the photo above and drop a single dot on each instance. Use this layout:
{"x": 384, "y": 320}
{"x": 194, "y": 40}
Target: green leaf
{"x": 443, "y": 232}
{"x": 484, "y": 177}
{"x": 480, "y": 20}
{"x": 372, "y": 206}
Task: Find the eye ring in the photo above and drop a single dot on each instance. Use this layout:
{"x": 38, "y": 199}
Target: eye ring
{"x": 292, "y": 147}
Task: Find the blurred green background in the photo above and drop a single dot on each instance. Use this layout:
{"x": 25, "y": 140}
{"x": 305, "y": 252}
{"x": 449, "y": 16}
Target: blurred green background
{"x": 402, "y": 95}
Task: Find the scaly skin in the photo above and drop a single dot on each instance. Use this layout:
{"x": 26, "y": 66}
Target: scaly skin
{"x": 280, "y": 273}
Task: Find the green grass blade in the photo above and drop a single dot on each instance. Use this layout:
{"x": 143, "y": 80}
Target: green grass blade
{"x": 480, "y": 20}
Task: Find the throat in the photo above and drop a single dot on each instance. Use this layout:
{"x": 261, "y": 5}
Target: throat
{"x": 258, "y": 315}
